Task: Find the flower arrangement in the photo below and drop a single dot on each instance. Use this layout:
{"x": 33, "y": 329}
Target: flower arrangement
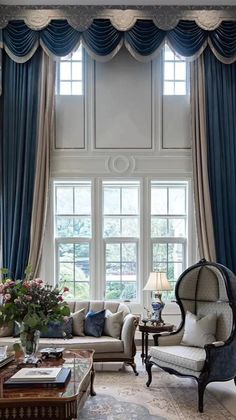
{"x": 31, "y": 302}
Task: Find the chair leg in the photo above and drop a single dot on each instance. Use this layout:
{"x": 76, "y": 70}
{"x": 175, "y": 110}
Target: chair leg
{"x": 149, "y": 365}
{"x": 133, "y": 365}
{"x": 201, "y": 388}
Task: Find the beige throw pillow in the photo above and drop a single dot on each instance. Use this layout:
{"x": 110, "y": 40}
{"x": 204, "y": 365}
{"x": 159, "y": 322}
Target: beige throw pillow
{"x": 199, "y": 331}
{"x": 78, "y": 322}
{"x": 113, "y": 323}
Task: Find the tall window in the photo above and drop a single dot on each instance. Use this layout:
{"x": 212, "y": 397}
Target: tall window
{"x": 169, "y": 229}
{"x": 121, "y": 239}
{"x": 70, "y": 74}
{"x": 73, "y": 234}
{"x": 175, "y": 73}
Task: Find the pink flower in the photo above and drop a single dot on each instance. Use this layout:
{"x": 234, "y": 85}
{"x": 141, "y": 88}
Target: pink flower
{"x": 39, "y": 281}
{"x": 28, "y": 297}
{"x": 7, "y": 296}
{"x": 66, "y": 289}
{"x": 60, "y": 298}
{"x": 66, "y": 318}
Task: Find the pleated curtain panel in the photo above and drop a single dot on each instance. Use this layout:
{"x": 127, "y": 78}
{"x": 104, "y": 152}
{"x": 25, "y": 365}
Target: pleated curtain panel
{"x": 27, "y": 123}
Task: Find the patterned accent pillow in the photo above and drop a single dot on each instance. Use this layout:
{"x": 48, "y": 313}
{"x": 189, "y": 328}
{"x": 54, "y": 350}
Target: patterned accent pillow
{"x": 94, "y": 323}
{"x": 58, "y": 329}
{"x": 199, "y": 331}
{"x": 113, "y": 323}
{"x": 78, "y": 318}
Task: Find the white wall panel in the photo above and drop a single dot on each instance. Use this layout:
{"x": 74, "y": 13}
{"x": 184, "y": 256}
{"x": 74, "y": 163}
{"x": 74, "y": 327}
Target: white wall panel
{"x": 123, "y": 103}
{"x": 70, "y": 122}
{"x": 176, "y": 122}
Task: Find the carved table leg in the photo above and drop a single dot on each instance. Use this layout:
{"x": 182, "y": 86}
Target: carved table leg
{"x": 92, "y": 392}
{"x": 149, "y": 365}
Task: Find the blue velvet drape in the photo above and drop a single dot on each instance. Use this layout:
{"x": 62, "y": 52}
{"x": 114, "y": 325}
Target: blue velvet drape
{"x": 220, "y": 85}
{"x": 18, "y": 142}
{"x": 101, "y": 38}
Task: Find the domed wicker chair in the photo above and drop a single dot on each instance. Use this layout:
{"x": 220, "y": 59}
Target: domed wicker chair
{"x": 202, "y": 289}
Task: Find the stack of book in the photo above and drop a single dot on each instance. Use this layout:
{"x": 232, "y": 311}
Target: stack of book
{"x": 6, "y": 359}
{"x": 39, "y": 377}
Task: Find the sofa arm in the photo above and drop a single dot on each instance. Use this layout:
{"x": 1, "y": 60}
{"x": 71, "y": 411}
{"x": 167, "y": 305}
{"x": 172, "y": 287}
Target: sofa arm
{"x": 127, "y": 334}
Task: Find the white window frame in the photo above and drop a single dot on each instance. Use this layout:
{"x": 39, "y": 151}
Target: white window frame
{"x": 69, "y": 239}
{"x": 122, "y": 239}
{"x": 69, "y": 59}
{"x": 175, "y": 80}
{"x": 185, "y": 241}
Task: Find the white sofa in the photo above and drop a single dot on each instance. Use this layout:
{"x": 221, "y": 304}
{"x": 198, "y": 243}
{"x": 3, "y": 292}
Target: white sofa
{"x": 107, "y": 349}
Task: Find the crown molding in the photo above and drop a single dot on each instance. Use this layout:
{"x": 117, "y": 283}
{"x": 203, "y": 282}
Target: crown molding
{"x": 121, "y": 17}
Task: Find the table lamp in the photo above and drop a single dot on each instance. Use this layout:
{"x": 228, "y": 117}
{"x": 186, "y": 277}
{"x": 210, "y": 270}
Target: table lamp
{"x": 157, "y": 283}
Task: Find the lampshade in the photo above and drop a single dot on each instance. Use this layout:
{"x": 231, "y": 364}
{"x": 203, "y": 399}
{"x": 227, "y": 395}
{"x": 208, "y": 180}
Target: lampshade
{"x": 158, "y": 282}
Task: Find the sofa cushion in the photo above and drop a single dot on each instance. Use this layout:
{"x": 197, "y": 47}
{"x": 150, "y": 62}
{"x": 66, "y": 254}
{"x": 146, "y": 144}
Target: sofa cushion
{"x": 78, "y": 322}
{"x": 199, "y": 331}
{"x": 58, "y": 329}
{"x": 94, "y": 323}
{"x": 113, "y": 323}
{"x": 187, "y": 357}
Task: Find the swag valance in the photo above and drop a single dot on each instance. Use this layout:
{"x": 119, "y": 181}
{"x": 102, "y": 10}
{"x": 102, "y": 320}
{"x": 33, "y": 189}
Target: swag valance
{"x": 102, "y": 40}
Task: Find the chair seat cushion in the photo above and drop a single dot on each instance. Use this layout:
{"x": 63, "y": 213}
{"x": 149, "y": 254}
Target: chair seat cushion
{"x": 188, "y": 357}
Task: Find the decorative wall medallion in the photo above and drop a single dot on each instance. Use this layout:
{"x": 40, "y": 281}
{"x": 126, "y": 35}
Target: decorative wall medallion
{"x": 208, "y": 21}
{"x": 120, "y": 164}
{"x": 166, "y": 22}
{"x": 3, "y": 21}
{"x": 80, "y": 22}
{"x": 123, "y": 20}
{"x": 37, "y": 20}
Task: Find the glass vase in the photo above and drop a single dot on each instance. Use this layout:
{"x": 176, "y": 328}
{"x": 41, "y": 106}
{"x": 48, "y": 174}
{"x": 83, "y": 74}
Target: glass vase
{"x": 29, "y": 338}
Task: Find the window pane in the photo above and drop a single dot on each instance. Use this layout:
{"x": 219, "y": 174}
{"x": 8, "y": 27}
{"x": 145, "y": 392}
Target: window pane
{"x": 77, "y": 88}
{"x": 112, "y": 227}
{"x": 160, "y": 252}
{"x": 66, "y": 272}
{"x": 169, "y": 88}
{"x": 168, "y": 54}
{"x": 130, "y": 227}
{"x": 65, "y": 71}
{"x": 169, "y": 71}
{"x": 177, "y": 201}
{"x": 129, "y": 252}
{"x": 177, "y": 227}
{"x": 158, "y": 200}
{"x": 64, "y": 226}
{"x": 114, "y": 290}
{"x": 82, "y": 270}
{"x": 113, "y": 272}
{"x": 82, "y": 227}
{"x": 66, "y": 252}
{"x": 129, "y": 290}
{"x": 113, "y": 252}
{"x": 130, "y": 201}
{"x": 180, "y": 88}
{"x": 83, "y": 200}
{"x": 174, "y": 271}
{"x": 77, "y": 71}
{"x": 175, "y": 252}
{"x": 64, "y": 200}
{"x": 158, "y": 266}
{"x": 65, "y": 88}
{"x": 158, "y": 227}
{"x": 77, "y": 55}
{"x": 111, "y": 200}
{"x": 81, "y": 251}
{"x": 180, "y": 71}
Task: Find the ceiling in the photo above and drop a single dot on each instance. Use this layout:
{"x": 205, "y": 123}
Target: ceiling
{"x": 120, "y": 3}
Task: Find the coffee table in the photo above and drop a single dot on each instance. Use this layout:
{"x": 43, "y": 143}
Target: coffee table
{"x": 50, "y": 403}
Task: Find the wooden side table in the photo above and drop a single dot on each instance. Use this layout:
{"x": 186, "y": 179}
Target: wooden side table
{"x": 151, "y": 329}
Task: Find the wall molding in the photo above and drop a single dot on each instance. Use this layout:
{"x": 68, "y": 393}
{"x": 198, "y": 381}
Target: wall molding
{"x": 121, "y": 17}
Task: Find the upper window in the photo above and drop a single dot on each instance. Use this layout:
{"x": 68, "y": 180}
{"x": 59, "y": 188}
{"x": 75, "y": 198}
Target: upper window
{"x": 175, "y": 73}
{"x": 70, "y": 74}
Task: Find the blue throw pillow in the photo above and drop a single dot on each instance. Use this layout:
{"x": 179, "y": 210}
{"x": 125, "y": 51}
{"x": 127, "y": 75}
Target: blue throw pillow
{"x": 94, "y": 323}
{"x": 58, "y": 329}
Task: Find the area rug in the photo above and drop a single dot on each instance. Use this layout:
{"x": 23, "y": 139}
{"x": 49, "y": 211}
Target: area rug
{"x": 123, "y": 396}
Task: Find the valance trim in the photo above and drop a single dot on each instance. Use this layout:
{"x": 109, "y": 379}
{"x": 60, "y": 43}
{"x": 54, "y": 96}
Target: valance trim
{"x": 102, "y": 41}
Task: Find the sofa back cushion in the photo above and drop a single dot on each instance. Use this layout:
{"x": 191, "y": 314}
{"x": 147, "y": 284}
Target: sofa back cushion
{"x": 99, "y": 305}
